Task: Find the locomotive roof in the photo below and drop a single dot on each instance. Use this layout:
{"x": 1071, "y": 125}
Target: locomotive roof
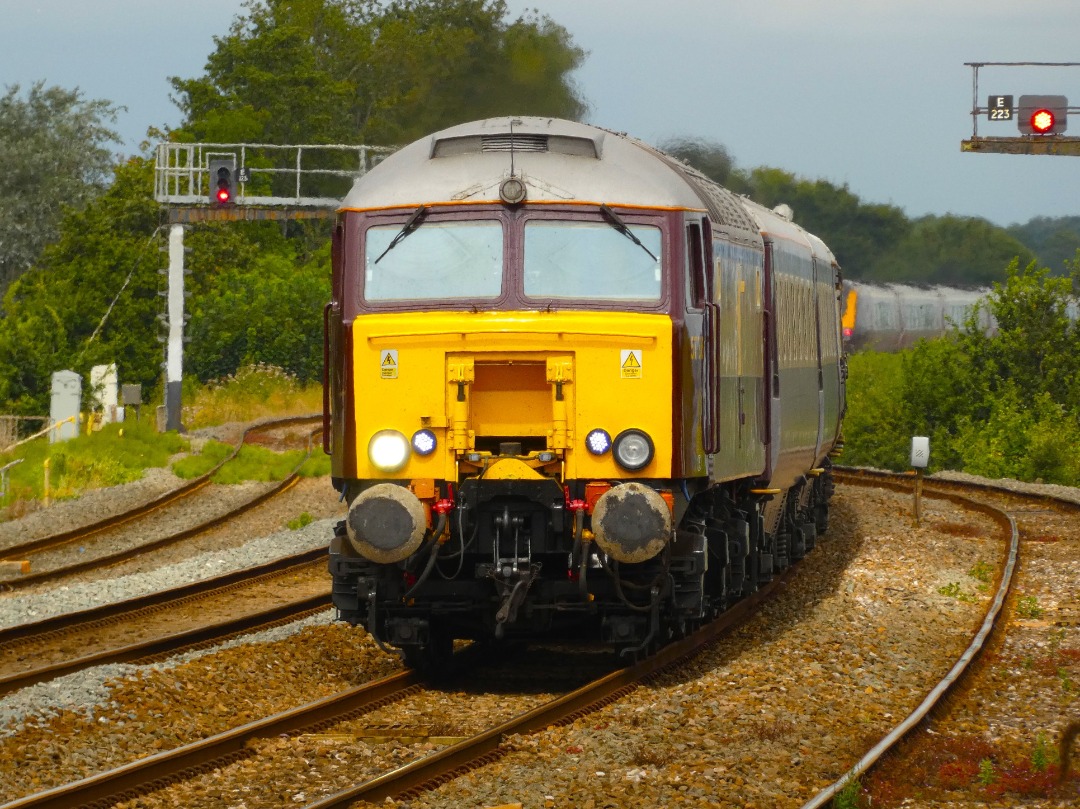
{"x": 775, "y": 224}
{"x": 559, "y": 161}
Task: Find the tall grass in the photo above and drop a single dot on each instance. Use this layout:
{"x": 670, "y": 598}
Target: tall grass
{"x": 254, "y": 392}
{"x": 119, "y": 453}
{"x": 116, "y": 454}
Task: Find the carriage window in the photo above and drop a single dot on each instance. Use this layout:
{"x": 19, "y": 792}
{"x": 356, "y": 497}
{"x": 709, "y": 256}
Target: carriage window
{"x": 591, "y": 260}
{"x": 437, "y": 260}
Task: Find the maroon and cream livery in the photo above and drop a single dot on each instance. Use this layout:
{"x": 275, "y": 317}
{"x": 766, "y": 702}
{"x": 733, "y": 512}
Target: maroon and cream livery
{"x": 573, "y": 388}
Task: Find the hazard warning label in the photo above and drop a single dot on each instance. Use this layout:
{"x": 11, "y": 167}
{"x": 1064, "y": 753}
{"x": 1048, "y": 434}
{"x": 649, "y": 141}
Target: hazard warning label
{"x": 630, "y": 363}
{"x": 388, "y": 364}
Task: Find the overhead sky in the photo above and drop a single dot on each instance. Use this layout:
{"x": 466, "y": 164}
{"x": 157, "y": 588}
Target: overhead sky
{"x": 874, "y": 94}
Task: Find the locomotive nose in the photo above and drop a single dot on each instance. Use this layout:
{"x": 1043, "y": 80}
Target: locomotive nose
{"x": 632, "y": 522}
{"x": 386, "y": 523}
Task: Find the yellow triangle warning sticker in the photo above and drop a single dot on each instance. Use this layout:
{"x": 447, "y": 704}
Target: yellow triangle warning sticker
{"x": 388, "y": 363}
{"x": 630, "y": 363}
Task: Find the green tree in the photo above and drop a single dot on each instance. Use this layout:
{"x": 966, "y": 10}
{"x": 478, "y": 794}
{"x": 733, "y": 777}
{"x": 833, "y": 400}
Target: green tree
{"x": 709, "y": 157}
{"x": 358, "y": 71}
{"x": 1037, "y": 343}
{"x": 1054, "y": 240}
{"x": 267, "y": 312}
{"x": 91, "y": 299}
{"x": 55, "y": 155}
{"x": 858, "y": 233}
{"x": 949, "y": 250}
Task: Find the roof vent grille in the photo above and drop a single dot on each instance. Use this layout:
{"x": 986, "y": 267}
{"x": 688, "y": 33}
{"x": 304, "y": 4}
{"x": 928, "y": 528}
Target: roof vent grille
{"x": 518, "y": 142}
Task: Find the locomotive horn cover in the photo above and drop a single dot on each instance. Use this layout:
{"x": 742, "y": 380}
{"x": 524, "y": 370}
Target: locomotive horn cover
{"x": 386, "y": 523}
{"x": 632, "y": 522}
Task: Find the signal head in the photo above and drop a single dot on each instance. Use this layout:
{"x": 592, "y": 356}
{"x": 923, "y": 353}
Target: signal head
{"x": 1042, "y": 115}
{"x": 222, "y": 183}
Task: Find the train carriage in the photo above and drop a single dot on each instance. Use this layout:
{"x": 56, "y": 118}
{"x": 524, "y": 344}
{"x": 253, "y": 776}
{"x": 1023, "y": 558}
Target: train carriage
{"x": 573, "y": 389}
{"x": 893, "y": 317}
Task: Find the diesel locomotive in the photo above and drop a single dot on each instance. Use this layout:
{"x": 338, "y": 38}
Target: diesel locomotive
{"x": 574, "y": 389}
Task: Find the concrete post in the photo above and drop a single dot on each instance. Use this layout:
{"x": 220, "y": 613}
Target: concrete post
{"x": 174, "y": 348}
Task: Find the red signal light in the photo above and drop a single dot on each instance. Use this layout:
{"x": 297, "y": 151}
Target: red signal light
{"x": 222, "y": 186}
{"x": 1042, "y": 120}
{"x": 1043, "y": 115}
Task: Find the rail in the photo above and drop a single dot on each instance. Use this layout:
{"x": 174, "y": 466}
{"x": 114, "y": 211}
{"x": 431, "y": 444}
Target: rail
{"x": 109, "y": 523}
{"x": 962, "y": 664}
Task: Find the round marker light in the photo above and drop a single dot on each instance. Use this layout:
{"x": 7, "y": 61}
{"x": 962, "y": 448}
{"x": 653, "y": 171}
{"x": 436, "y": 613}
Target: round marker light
{"x": 598, "y": 441}
{"x": 633, "y": 450}
{"x": 388, "y": 451}
{"x": 1042, "y": 120}
{"x": 223, "y": 195}
{"x": 512, "y": 191}
{"x": 423, "y": 441}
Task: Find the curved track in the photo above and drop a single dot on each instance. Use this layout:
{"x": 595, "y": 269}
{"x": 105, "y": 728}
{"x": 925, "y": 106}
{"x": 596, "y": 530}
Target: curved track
{"x": 96, "y": 529}
{"x": 16, "y": 641}
{"x": 485, "y": 747}
{"x": 989, "y": 624}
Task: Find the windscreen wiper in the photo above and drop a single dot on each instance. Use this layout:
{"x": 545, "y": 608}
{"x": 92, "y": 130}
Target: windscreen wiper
{"x": 414, "y": 222}
{"x": 619, "y": 225}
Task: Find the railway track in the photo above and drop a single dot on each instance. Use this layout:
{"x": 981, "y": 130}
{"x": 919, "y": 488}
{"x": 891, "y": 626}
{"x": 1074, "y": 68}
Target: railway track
{"x": 665, "y": 680}
{"x": 990, "y": 623}
{"x": 37, "y": 652}
{"x": 101, "y": 530}
{"x": 154, "y": 772}
{"x": 968, "y": 747}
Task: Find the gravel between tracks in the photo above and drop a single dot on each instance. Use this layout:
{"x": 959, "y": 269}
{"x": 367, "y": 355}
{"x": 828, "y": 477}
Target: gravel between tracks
{"x": 255, "y": 538}
{"x": 764, "y": 719}
{"x": 859, "y": 636}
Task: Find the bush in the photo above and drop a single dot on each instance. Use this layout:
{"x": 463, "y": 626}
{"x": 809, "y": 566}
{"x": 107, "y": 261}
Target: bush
{"x": 999, "y": 405}
{"x": 116, "y": 454}
{"x": 253, "y": 392}
{"x": 874, "y": 429}
{"x": 1025, "y": 437}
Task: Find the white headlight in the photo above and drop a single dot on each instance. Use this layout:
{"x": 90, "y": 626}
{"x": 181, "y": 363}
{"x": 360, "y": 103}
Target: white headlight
{"x": 633, "y": 449}
{"x": 388, "y": 450}
{"x": 598, "y": 441}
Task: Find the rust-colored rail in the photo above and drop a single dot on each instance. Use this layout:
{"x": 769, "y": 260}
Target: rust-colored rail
{"x": 113, "y": 784}
{"x": 110, "y": 523}
{"x": 154, "y": 771}
{"x": 430, "y": 771}
{"x": 74, "y": 623}
{"x": 949, "y": 491}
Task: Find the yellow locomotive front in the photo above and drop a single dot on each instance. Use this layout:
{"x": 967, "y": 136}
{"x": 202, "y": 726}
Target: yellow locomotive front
{"x": 501, "y": 411}
{"x": 483, "y": 445}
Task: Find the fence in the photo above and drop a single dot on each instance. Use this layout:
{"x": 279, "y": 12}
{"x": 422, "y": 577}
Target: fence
{"x": 12, "y": 427}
